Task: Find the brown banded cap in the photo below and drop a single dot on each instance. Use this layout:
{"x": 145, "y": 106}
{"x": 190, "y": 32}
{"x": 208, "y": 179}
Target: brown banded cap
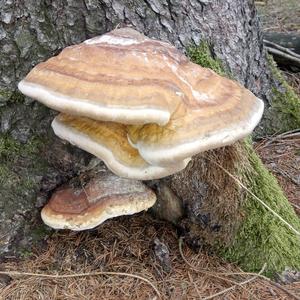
{"x": 176, "y": 107}
{"x": 121, "y": 76}
{"x": 104, "y": 197}
{"x": 227, "y": 113}
{"x": 108, "y": 141}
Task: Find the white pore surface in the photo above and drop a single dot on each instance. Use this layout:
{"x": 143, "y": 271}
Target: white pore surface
{"x": 90, "y": 109}
{"x": 147, "y": 172}
{"x": 78, "y": 223}
{"x": 163, "y": 156}
{"x": 112, "y": 40}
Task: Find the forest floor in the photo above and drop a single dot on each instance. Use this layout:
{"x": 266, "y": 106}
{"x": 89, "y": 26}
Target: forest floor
{"x": 281, "y": 154}
{"x": 141, "y": 258}
{"x": 145, "y": 255}
{"x": 281, "y": 16}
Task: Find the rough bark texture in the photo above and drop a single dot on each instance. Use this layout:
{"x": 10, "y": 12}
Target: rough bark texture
{"x": 34, "y": 30}
{"x": 31, "y": 31}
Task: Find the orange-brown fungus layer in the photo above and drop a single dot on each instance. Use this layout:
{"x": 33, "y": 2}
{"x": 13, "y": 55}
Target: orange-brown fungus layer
{"x": 104, "y": 197}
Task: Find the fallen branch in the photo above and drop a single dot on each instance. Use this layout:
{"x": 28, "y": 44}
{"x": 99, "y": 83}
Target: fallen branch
{"x": 287, "y": 40}
{"x": 282, "y": 55}
{"x": 281, "y": 48}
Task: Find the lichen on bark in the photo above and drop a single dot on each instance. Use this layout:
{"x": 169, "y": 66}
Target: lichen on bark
{"x": 21, "y": 171}
{"x": 32, "y": 162}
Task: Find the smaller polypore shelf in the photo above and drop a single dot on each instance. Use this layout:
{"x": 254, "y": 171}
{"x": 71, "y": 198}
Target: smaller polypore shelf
{"x": 104, "y": 197}
{"x": 108, "y": 141}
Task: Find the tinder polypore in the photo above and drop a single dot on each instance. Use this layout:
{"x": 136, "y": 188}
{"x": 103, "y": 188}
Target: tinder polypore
{"x": 108, "y": 141}
{"x": 228, "y": 113}
{"x": 121, "y": 76}
{"x": 105, "y": 196}
{"x": 173, "y": 108}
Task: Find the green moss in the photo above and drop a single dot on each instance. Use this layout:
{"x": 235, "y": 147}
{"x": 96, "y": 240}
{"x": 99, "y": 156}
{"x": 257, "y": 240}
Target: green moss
{"x": 284, "y": 113}
{"x": 40, "y": 232}
{"x": 203, "y": 56}
{"x": 25, "y": 253}
{"x": 20, "y": 167}
{"x": 10, "y": 148}
{"x": 262, "y": 237}
{"x": 9, "y": 96}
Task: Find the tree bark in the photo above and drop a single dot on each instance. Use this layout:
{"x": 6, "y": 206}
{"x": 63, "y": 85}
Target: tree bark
{"x": 34, "y": 162}
{"x": 34, "y": 30}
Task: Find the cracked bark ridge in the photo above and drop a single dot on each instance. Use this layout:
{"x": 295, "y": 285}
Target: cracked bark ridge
{"x": 31, "y": 31}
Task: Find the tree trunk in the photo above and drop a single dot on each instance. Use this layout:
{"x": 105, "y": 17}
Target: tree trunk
{"x": 34, "y": 162}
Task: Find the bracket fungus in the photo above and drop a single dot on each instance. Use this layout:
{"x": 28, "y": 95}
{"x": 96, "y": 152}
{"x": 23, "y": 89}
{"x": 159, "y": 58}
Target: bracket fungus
{"x": 138, "y": 104}
{"x": 174, "y": 108}
{"x": 195, "y": 127}
{"x": 108, "y": 141}
{"x": 114, "y": 77}
{"x": 104, "y": 197}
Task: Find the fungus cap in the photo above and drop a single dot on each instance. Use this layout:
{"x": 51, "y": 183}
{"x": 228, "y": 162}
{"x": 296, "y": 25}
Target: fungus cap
{"x": 121, "y": 76}
{"x": 104, "y": 197}
{"x": 229, "y": 113}
{"x": 125, "y": 77}
{"x": 108, "y": 141}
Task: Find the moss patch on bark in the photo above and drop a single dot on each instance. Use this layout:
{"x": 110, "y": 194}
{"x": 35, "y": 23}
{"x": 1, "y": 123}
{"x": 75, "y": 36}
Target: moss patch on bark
{"x": 203, "y": 56}
{"x": 21, "y": 170}
{"x": 284, "y": 112}
{"x": 261, "y": 237}
{"x": 8, "y": 96}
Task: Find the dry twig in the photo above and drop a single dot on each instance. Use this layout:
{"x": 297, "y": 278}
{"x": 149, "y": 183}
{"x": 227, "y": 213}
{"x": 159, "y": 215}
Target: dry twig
{"x": 258, "y": 199}
{"x": 60, "y": 276}
{"x": 237, "y": 284}
{"x": 212, "y": 274}
{"x": 255, "y": 276}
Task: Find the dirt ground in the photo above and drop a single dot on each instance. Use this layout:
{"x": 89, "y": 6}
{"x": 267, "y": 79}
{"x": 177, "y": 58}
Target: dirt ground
{"x": 139, "y": 257}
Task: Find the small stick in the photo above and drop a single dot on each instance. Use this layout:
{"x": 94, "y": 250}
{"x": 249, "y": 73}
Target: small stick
{"x": 283, "y": 49}
{"x": 290, "y": 133}
{"x": 255, "y": 276}
{"x": 212, "y": 274}
{"x": 283, "y": 54}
